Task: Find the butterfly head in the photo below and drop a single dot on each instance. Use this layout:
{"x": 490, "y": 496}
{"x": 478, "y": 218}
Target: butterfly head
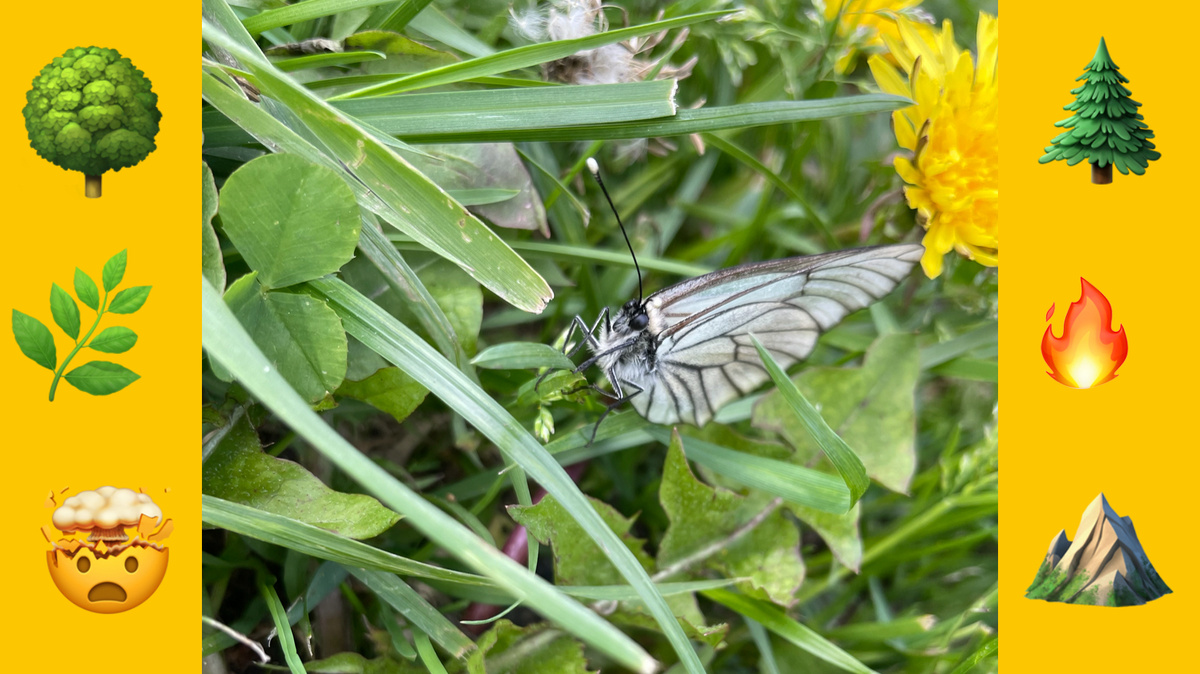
{"x": 631, "y": 318}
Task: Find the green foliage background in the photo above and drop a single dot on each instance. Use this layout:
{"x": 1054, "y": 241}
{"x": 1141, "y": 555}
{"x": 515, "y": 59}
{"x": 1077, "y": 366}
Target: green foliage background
{"x": 371, "y": 424}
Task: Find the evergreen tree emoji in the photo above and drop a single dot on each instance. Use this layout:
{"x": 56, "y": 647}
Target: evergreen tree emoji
{"x": 1106, "y": 128}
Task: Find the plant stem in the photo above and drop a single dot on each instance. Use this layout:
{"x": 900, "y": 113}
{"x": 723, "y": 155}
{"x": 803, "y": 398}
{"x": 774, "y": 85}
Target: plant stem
{"x": 78, "y": 345}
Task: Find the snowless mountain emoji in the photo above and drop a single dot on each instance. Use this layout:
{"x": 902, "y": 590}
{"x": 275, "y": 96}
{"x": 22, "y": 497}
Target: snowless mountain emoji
{"x": 1104, "y": 566}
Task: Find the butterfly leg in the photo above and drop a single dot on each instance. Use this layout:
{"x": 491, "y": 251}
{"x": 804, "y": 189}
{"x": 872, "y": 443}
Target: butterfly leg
{"x": 619, "y": 399}
{"x": 589, "y": 339}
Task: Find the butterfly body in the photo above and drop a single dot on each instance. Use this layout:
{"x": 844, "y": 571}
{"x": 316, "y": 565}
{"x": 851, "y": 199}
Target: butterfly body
{"x": 686, "y": 351}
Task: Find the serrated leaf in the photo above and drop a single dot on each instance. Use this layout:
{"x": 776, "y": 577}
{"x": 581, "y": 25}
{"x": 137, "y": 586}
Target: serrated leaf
{"x": 64, "y": 310}
{"x": 700, "y": 515}
{"x": 114, "y": 340}
{"x": 389, "y": 390}
{"x": 129, "y": 300}
{"x": 872, "y": 408}
{"x": 300, "y": 334}
{"x": 114, "y": 270}
{"x": 212, "y": 262}
{"x": 86, "y": 290}
{"x": 100, "y": 378}
{"x": 577, "y": 558}
{"x": 292, "y": 220}
{"x": 239, "y": 471}
{"x": 35, "y": 340}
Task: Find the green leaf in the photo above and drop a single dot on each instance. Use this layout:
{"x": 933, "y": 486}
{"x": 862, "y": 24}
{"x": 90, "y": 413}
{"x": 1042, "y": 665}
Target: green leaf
{"x": 419, "y": 612}
{"x": 289, "y": 65}
{"x": 287, "y": 641}
{"x": 114, "y": 340}
{"x": 871, "y": 407}
{"x": 578, "y": 560}
{"x": 65, "y": 311}
{"x": 240, "y": 472}
{"x": 389, "y": 390}
{"x": 210, "y": 248}
{"x": 457, "y": 112}
{"x": 700, "y": 516}
{"x": 100, "y": 378}
{"x": 774, "y": 619}
{"x": 226, "y": 342}
{"x": 299, "y": 333}
{"x": 303, "y": 11}
{"x": 114, "y": 271}
{"x": 86, "y": 291}
{"x": 292, "y": 220}
{"x": 129, "y": 300}
{"x": 385, "y": 183}
{"x": 522, "y": 356}
{"x": 323, "y": 544}
{"x": 482, "y": 196}
{"x": 354, "y": 663}
{"x": 523, "y": 57}
{"x": 843, "y": 458}
{"x": 508, "y": 649}
{"x": 35, "y": 340}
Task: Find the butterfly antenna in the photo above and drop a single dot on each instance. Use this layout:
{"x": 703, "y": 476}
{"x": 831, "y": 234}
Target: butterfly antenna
{"x": 595, "y": 169}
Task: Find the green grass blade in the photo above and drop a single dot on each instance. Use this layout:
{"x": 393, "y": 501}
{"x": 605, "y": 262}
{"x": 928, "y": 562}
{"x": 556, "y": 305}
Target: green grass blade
{"x": 398, "y": 18}
{"x": 327, "y": 60}
{"x": 797, "y": 484}
{"x": 382, "y": 333}
{"x": 985, "y": 651}
{"x": 287, "y": 642}
{"x": 303, "y": 11}
{"x": 417, "y": 206}
{"x": 523, "y": 57}
{"x": 774, "y": 619}
{"x": 419, "y": 612}
{"x": 843, "y": 458}
{"x": 626, "y": 593}
{"x": 322, "y": 544}
{"x": 459, "y": 112}
{"x": 521, "y": 356}
{"x": 228, "y": 343}
{"x": 702, "y": 120}
{"x": 429, "y": 657}
{"x": 491, "y": 81}
{"x": 591, "y": 255}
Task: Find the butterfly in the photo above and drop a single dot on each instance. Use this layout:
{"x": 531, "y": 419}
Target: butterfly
{"x": 680, "y": 354}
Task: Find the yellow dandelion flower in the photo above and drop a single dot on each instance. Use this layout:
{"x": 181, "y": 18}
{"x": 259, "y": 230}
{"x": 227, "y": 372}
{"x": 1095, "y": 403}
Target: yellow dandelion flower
{"x": 863, "y": 23}
{"x": 953, "y": 132}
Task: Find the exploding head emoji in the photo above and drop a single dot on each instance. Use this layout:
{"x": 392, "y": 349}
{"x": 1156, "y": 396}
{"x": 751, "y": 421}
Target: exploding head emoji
{"x": 107, "y": 571}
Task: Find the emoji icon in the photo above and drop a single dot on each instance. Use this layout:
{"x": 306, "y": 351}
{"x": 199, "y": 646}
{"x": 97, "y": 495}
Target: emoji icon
{"x": 108, "y": 572}
{"x": 1089, "y": 351}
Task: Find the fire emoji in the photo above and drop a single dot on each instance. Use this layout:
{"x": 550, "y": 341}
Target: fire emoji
{"x": 1089, "y": 352}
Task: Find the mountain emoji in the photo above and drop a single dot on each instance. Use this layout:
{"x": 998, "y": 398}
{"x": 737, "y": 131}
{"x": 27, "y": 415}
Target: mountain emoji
{"x": 1104, "y": 566}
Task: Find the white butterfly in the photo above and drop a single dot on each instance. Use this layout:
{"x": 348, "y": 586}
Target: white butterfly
{"x": 684, "y": 352}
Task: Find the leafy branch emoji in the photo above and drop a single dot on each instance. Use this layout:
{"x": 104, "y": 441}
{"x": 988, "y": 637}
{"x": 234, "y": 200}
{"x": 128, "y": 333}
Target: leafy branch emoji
{"x": 98, "y": 377}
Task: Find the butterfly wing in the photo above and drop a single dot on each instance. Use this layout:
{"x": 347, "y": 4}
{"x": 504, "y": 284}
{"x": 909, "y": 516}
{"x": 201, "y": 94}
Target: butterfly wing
{"x": 705, "y": 358}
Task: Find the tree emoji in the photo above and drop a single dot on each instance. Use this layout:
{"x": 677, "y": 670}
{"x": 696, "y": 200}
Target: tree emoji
{"x": 90, "y": 110}
{"x": 1106, "y": 128}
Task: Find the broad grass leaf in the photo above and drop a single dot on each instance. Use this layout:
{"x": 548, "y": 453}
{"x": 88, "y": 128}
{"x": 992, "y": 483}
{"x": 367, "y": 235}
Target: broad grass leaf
{"x": 64, "y": 310}
{"x": 871, "y": 407}
{"x": 416, "y": 609}
{"x": 34, "y": 339}
{"x": 116, "y": 339}
{"x": 114, "y": 270}
{"x": 299, "y": 333}
{"x": 769, "y": 555}
{"x": 355, "y": 663}
{"x": 100, "y": 378}
{"x": 239, "y": 471}
{"x": 389, "y": 390}
{"x": 211, "y": 259}
{"x": 129, "y": 300}
{"x": 86, "y": 290}
{"x": 292, "y": 220}
{"x": 526, "y": 648}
